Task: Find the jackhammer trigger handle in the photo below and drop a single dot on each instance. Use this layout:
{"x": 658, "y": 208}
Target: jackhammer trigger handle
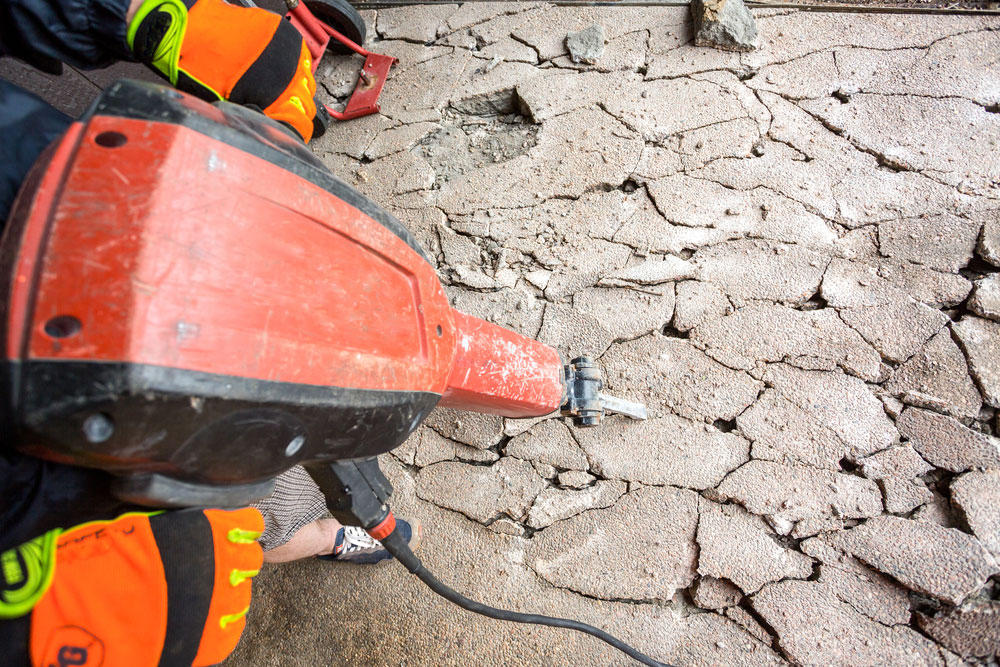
{"x": 356, "y": 491}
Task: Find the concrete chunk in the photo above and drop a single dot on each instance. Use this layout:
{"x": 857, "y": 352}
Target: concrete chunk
{"x": 724, "y": 24}
{"x": 985, "y": 300}
{"x": 989, "y": 240}
{"x": 941, "y": 562}
{"x": 977, "y": 496}
{"x": 477, "y": 430}
{"x": 764, "y": 333}
{"x": 946, "y": 443}
{"x": 658, "y": 371}
{"x": 897, "y": 329}
{"x": 548, "y": 442}
{"x": 711, "y": 593}
{"x": 663, "y": 450}
{"x": 944, "y": 242}
{"x": 698, "y": 302}
{"x": 481, "y": 493}
{"x": 980, "y": 340}
{"x": 587, "y": 45}
{"x": 739, "y": 547}
{"x": 972, "y": 632}
{"x": 896, "y": 470}
{"x": 553, "y": 505}
{"x": 814, "y": 627}
{"x": 764, "y": 270}
{"x": 937, "y": 376}
{"x": 792, "y": 494}
{"x": 600, "y": 554}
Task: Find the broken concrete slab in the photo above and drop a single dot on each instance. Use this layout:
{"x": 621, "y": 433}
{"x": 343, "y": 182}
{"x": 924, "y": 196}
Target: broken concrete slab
{"x": 988, "y": 246}
{"x": 414, "y": 24}
{"x": 977, "y": 496}
{"x": 587, "y": 45}
{"x": 815, "y": 627}
{"x": 980, "y": 340}
{"x": 724, "y": 24}
{"x": 508, "y": 487}
{"x": 767, "y": 333}
{"x": 937, "y": 376}
{"x": 897, "y": 329}
{"x": 941, "y": 562}
{"x": 896, "y": 470}
{"x": 739, "y": 547}
{"x": 783, "y": 432}
{"x": 762, "y": 270}
{"x": 854, "y": 583}
{"x": 944, "y": 242}
{"x": 575, "y": 479}
{"x": 474, "y": 429}
{"x": 598, "y": 317}
{"x": 789, "y": 494}
{"x": 548, "y": 442}
{"x": 985, "y": 299}
{"x": 698, "y": 302}
{"x": 946, "y": 443}
{"x": 662, "y": 371}
{"x": 666, "y": 269}
{"x": 666, "y": 449}
{"x": 552, "y": 505}
{"x": 841, "y": 403}
{"x": 971, "y": 632}
{"x": 711, "y": 593}
{"x": 597, "y": 553}
{"x": 854, "y": 284}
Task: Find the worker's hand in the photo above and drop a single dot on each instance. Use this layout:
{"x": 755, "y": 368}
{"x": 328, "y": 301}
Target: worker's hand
{"x": 215, "y": 51}
{"x": 144, "y": 589}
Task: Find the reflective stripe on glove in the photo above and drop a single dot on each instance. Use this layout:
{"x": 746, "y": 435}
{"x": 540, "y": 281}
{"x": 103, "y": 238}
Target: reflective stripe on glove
{"x": 215, "y": 51}
{"x": 141, "y": 590}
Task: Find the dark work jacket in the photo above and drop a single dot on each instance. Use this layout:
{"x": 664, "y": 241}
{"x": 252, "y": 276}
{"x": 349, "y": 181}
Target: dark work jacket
{"x": 36, "y": 496}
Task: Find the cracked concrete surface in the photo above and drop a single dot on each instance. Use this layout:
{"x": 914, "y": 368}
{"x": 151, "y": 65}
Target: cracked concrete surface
{"x": 790, "y": 256}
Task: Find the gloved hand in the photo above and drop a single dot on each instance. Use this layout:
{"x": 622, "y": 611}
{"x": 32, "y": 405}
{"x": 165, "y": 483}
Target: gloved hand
{"x": 215, "y": 50}
{"x": 142, "y": 590}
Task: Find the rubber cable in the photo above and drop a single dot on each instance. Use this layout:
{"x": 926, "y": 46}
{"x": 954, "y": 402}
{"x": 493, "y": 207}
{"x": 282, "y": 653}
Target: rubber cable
{"x": 399, "y": 548}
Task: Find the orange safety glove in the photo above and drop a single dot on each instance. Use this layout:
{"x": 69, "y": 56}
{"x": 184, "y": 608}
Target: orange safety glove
{"x": 217, "y": 51}
{"x": 139, "y": 591}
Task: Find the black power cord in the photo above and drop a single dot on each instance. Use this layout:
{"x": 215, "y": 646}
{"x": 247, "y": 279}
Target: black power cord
{"x": 356, "y": 488}
{"x": 400, "y": 549}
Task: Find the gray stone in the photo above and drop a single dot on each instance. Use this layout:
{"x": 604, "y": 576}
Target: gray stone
{"x": 764, "y": 270}
{"x": 662, "y": 371}
{"x": 548, "y": 442}
{"x": 698, "y": 302}
{"x": 896, "y": 470}
{"x": 897, "y": 329}
{"x": 553, "y": 505}
{"x": 941, "y": 562}
{"x": 980, "y": 340}
{"x": 724, "y": 24}
{"x": 815, "y": 627}
{"x": 587, "y": 45}
{"x": 838, "y": 402}
{"x": 739, "y": 547}
{"x": 977, "y": 497}
{"x": 663, "y": 450}
{"x": 946, "y": 443}
{"x": 985, "y": 299}
{"x": 989, "y": 240}
{"x": 575, "y": 479}
{"x": 603, "y": 554}
{"x": 938, "y": 376}
{"x": 972, "y": 632}
{"x": 508, "y": 487}
{"x": 711, "y": 593}
{"x": 789, "y": 494}
{"x": 854, "y": 583}
{"x": 766, "y": 333}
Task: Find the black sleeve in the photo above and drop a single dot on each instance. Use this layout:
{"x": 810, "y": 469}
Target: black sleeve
{"x": 27, "y": 125}
{"x": 82, "y": 33}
